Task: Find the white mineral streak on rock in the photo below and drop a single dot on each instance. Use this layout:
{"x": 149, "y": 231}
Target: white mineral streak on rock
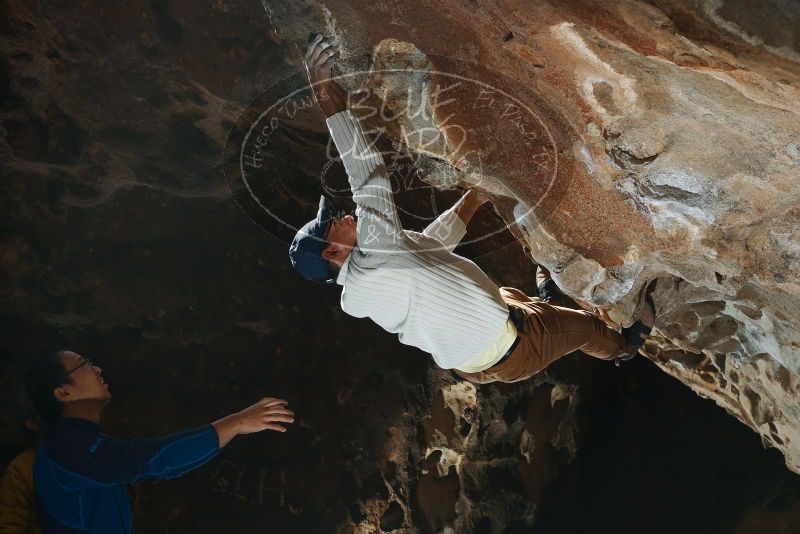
{"x": 566, "y": 437}
{"x": 712, "y": 8}
{"x": 596, "y": 71}
{"x": 582, "y": 153}
{"x": 527, "y": 446}
{"x": 760, "y": 90}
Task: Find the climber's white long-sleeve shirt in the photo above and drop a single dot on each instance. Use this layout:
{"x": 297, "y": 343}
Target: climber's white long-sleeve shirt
{"x": 411, "y": 283}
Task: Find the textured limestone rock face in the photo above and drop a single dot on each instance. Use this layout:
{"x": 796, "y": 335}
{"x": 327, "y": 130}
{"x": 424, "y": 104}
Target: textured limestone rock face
{"x": 485, "y": 462}
{"x": 626, "y": 142}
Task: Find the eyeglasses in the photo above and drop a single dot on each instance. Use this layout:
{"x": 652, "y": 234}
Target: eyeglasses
{"x": 86, "y": 361}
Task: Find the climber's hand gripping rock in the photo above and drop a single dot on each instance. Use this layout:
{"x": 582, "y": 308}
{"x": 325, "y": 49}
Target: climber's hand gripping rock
{"x": 319, "y": 60}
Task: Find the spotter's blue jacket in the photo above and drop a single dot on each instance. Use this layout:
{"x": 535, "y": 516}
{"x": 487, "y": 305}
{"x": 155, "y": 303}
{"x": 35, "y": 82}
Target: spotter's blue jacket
{"x": 80, "y": 473}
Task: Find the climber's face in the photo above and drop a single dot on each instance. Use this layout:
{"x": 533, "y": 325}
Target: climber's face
{"x": 342, "y": 238}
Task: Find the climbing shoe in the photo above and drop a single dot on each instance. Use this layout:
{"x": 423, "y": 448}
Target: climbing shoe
{"x": 633, "y": 333}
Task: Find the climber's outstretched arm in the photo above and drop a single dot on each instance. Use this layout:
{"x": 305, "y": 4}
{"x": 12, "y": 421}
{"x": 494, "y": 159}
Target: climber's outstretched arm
{"x": 451, "y": 226}
{"x": 378, "y": 228}
{"x": 466, "y": 207}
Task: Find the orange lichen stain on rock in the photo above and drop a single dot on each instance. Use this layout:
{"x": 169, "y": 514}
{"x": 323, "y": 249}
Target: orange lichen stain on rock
{"x": 602, "y": 224}
{"x": 526, "y": 53}
{"x": 610, "y": 25}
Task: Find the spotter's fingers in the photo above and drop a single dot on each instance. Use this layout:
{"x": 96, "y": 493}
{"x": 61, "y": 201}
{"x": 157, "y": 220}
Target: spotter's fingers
{"x": 279, "y": 419}
{"x": 268, "y": 401}
{"x": 281, "y": 413}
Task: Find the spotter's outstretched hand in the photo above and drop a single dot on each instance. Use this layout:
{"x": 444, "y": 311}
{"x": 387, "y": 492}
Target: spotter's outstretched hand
{"x": 266, "y": 414}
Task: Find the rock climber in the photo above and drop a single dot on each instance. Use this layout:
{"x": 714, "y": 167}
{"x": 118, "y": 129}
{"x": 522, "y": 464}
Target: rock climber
{"x": 80, "y": 472}
{"x": 412, "y": 284}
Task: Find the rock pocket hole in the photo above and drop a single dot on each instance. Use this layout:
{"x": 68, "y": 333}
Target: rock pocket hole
{"x": 356, "y": 514}
{"x": 393, "y": 517}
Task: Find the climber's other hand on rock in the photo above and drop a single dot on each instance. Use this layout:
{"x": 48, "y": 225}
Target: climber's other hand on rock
{"x": 480, "y": 197}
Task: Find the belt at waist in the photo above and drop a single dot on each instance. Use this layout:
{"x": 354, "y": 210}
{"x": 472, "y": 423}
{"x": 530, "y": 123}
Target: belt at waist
{"x": 517, "y": 316}
{"x": 514, "y": 325}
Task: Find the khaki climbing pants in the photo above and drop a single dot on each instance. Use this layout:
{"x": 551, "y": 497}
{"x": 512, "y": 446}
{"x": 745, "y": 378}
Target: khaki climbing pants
{"x": 550, "y": 332}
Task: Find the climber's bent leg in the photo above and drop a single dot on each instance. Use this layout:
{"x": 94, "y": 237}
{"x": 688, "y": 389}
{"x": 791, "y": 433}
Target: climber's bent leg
{"x": 550, "y": 332}
{"x": 567, "y": 330}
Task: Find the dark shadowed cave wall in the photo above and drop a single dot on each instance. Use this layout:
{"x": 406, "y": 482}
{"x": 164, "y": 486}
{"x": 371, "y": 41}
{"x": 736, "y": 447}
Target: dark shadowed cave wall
{"x": 120, "y": 240}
